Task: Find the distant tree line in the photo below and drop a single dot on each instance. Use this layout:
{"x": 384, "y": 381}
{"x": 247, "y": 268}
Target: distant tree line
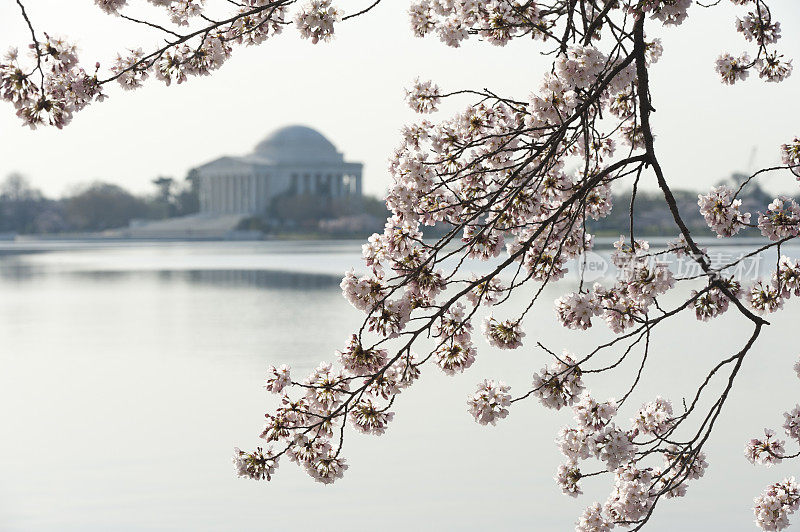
{"x": 652, "y": 217}
{"x": 95, "y": 206}
{"x": 98, "y": 206}
{"x": 311, "y": 213}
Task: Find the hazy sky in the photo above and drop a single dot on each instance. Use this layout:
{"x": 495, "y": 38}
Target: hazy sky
{"x": 352, "y": 91}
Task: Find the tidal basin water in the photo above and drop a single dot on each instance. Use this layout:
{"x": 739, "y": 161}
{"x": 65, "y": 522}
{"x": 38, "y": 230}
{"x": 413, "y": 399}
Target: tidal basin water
{"x": 128, "y": 372}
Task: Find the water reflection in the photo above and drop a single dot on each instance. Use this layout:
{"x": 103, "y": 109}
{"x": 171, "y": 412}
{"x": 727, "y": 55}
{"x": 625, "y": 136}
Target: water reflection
{"x": 14, "y": 270}
{"x": 129, "y": 375}
{"x": 255, "y": 278}
{"x": 271, "y": 279}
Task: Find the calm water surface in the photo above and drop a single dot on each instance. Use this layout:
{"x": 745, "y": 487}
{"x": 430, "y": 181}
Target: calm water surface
{"x": 129, "y": 372}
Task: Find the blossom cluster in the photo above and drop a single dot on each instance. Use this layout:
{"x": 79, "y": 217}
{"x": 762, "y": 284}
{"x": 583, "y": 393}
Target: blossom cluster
{"x": 713, "y": 301}
{"x": 720, "y": 208}
{"x": 767, "y": 296}
{"x": 640, "y": 281}
{"x": 596, "y": 435}
{"x": 305, "y": 425}
{"x": 423, "y": 97}
{"x": 490, "y": 402}
{"x": 756, "y": 26}
{"x": 781, "y": 220}
{"x": 636, "y": 486}
{"x": 790, "y": 155}
{"x": 49, "y": 86}
{"x": 773, "y": 507}
{"x": 669, "y": 12}
{"x": 255, "y": 465}
{"x": 560, "y": 384}
{"x": 768, "y": 451}
{"x": 278, "y": 378}
{"x": 496, "y": 22}
{"x": 504, "y": 334}
{"x": 316, "y": 20}
{"x": 654, "y": 418}
{"x": 64, "y": 87}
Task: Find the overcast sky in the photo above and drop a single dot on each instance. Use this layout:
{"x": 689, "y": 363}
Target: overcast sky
{"x": 351, "y": 90}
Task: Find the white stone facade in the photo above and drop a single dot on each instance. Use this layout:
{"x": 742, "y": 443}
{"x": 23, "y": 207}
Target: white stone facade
{"x": 292, "y": 160}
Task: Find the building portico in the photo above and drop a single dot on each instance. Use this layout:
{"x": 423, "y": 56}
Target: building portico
{"x": 293, "y": 160}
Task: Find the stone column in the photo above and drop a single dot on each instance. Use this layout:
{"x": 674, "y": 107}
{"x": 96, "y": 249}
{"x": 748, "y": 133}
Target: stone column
{"x": 248, "y": 193}
{"x": 202, "y": 192}
{"x": 215, "y": 194}
{"x": 229, "y": 194}
{"x": 236, "y": 199}
{"x": 237, "y": 194}
{"x": 261, "y": 194}
{"x": 244, "y": 194}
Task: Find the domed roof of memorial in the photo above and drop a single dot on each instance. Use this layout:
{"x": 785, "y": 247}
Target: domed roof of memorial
{"x": 297, "y": 144}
